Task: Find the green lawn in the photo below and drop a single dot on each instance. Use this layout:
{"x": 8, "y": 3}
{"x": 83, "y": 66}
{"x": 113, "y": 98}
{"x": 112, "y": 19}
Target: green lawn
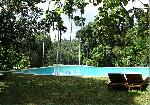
{"x": 56, "y": 90}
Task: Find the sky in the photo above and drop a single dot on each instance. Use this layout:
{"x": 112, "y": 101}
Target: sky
{"x": 90, "y": 13}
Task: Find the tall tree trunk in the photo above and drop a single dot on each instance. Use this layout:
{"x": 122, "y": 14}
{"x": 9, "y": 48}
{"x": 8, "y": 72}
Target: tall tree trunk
{"x": 60, "y": 59}
{"x": 57, "y": 56}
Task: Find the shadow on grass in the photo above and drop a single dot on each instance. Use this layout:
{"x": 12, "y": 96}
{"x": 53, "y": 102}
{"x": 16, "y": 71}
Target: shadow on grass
{"x": 58, "y": 90}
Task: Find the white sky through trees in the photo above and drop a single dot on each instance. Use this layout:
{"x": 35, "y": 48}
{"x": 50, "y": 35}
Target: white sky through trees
{"x": 90, "y": 12}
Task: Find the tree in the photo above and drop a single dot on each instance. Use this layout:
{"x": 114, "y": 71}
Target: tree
{"x": 116, "y": 39}
{"x": 111, "y": 40}
{"x": 17, "y": 31}
{"x": 68, "y": 52}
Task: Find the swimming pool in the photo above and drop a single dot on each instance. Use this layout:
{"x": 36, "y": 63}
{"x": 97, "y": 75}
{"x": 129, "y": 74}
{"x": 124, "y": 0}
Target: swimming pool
{"x": 77, "y": 70}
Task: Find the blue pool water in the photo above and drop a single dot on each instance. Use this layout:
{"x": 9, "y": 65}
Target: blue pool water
{"x": 76, "y": 70}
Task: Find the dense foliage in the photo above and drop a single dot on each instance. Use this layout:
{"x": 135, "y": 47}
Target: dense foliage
{"x": 113, "y": 39}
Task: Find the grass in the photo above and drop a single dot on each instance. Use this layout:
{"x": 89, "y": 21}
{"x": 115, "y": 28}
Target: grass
{"x": 19, "y": 89}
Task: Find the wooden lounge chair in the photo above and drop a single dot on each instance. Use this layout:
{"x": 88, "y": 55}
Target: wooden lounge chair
{"x": 134, "y": 81}
{"x": 117, "y": 80}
